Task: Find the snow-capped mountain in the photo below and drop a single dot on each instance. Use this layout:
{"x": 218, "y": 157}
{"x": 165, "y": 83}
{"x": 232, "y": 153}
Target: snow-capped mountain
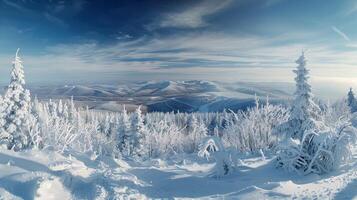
{"x": 167, "y": 96}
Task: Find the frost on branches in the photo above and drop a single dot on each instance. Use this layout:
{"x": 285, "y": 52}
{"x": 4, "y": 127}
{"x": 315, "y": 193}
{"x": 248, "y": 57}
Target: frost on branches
{"x": 253, "y": 129}
{"x": 196, "y": 131}
{"x": 209, "y": 146}
{"x": 318, "y": 152}
{"x": 225, "y": 160}
{"x": 19, "y": 128}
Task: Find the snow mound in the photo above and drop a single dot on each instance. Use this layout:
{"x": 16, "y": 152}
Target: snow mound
{"x": 49, "y": 175}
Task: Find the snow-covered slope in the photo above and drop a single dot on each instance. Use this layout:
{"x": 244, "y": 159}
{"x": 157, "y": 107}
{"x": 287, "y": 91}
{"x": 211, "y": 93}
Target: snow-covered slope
{"x": 49, "y": 175}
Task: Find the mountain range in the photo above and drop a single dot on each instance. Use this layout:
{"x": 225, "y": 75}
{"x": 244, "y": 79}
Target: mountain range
{"x": 168, "y": 96}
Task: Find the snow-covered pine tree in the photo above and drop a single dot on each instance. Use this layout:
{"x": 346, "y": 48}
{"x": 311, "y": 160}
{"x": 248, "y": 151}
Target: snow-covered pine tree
{"x": 139, "y": 131}
{"x": 124, "y": 134}
{"x": 72, "y": 110}
{"x": 318, "y": 145}
{"x": 105, "y": 125}
{"x": 304, "y": 111}
{"x": 19, "y": 123}
{"x": 3, "y": 135}
{"x": 351, "y": 101}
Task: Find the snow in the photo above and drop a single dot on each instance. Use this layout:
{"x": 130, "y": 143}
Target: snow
{"x": 50, "y": 175}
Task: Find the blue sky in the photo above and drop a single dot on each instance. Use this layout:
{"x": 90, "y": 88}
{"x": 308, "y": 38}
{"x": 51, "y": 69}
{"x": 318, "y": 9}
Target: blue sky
{"x": 226, "y": 40}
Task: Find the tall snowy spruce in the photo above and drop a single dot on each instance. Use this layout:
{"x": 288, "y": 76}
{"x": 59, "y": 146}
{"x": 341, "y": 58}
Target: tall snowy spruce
{"x": 124, "y": 133}
{"x": 318, "y": 145}
{"x": 351, "y": 101}
{"x": 304, "y": 112}
{"x": 2, "y": 120}
{"x": 18, "y": 122}
{"x": 139, "y": 131}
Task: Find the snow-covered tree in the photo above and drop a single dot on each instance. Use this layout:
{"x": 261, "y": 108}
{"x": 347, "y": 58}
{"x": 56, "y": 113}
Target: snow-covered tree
{"x": 124, "y": 133}
{"x": 3, "y": 134}
{"x": 319, "y": 144}
{"x": 304, "y": 114}
{"x": 106, "y": 126}
{"x": 72, "y": 110}
{"x": 351, "y": 101}
{"x": 18, "y": 128}
{"x": 138, "y": 133}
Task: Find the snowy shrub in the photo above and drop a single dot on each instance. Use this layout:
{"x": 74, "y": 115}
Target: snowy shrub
{"x": 197, "y": 130}
{"x": 209, "y": 146}
{"x": 254, "y": 129}
{"x": 335, "y": 114}
{"x": 65, "y": 128}
{"x": 224, "y": 164}
{"x": 318, "y": 152}
{"x": 164, "y": 139}
{"x": 212, "y": 147}
{"x": 59, "y": 131}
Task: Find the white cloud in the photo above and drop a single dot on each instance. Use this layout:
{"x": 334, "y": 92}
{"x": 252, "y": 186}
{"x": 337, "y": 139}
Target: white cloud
{"x": 340, "y": 33}
{"x": 194, "y": 16}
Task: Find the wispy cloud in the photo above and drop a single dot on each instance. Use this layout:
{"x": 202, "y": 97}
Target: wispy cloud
{"x": 188, "y": 51}
{"x": 340, "y": 33}
{"x": 207, "y": 55}
{"x": 351, "y": 8}
{"x": 17, "y": 6}
{"x": 271, "y": 2}
{"x": 192, "y": 17}
{"x": 50, "y": 12}
{"x": 54, "y": 19}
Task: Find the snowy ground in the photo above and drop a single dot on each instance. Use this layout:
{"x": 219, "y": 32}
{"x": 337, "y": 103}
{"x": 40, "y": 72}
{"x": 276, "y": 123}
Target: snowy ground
{"x": 49, "y": 175}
